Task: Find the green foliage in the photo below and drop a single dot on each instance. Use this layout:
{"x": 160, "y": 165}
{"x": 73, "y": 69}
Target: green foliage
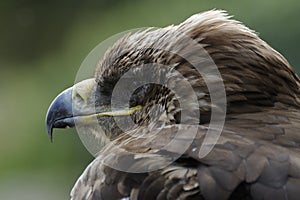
{"x": 42, "y": 47}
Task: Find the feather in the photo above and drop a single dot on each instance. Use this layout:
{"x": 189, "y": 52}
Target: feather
{"x": 257, "y": 155}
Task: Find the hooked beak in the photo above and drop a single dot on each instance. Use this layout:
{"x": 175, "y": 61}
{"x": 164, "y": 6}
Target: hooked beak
{"x": 76, "y": 106}
{"x": 72, "y": 103}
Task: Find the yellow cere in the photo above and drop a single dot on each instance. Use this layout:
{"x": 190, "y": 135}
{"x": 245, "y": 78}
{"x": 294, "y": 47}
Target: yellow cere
{"x": 124, "y": 112}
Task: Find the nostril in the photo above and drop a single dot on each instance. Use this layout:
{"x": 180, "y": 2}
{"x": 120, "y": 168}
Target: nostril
{"x": 82, "y": 92}
{"x": 79, "y": 98}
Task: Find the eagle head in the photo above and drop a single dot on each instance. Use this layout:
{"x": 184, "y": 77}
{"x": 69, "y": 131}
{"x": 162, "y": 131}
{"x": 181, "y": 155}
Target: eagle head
{"x": 151, "y": 78}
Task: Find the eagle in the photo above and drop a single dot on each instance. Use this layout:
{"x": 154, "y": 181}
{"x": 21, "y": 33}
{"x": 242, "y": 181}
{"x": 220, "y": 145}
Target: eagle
{"x": 148, "y": 112}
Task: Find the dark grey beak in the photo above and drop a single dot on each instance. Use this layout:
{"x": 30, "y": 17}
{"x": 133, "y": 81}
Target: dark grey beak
{"x": 75, "y": 105}
{"x": 60, "y": 113}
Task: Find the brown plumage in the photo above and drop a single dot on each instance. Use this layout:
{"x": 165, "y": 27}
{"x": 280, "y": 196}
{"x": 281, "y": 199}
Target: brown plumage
{"x": 258, "y": 153}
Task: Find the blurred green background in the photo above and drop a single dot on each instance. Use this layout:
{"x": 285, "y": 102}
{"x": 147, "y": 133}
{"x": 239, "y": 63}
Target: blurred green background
{"x": 42, "y": 45}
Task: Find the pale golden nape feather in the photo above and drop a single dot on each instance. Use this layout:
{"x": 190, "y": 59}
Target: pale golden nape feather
{"x": 258, "y": 153}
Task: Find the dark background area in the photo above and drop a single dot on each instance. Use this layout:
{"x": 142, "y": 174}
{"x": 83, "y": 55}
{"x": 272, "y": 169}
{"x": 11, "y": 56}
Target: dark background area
{"x": 43, "y": 43}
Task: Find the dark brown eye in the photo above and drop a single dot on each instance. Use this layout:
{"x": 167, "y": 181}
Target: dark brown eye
{"x": 148, "y": 93}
